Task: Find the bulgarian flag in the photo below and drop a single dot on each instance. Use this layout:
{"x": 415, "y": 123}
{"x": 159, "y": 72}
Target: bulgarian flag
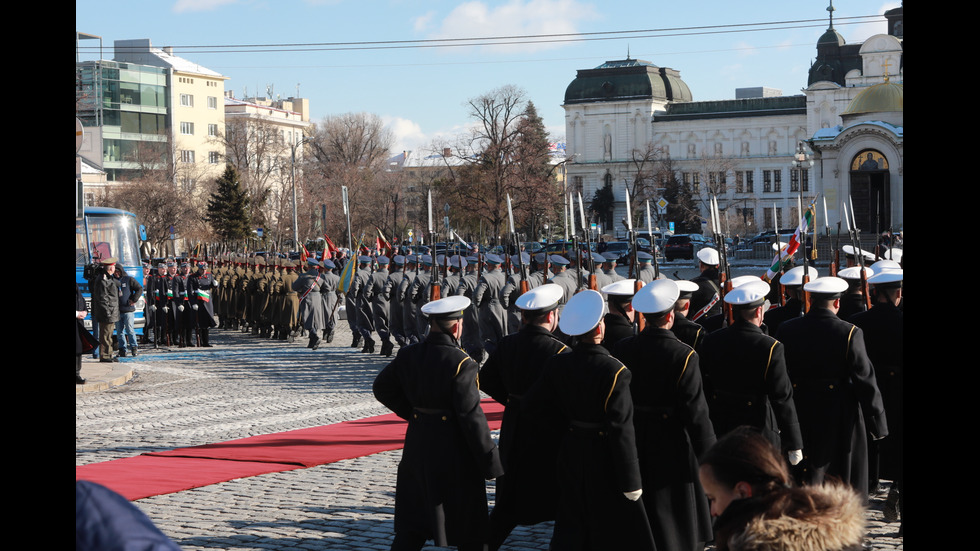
{"x": 790, "y": 249}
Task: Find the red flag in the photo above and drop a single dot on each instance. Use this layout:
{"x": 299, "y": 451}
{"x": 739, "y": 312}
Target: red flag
{"x": 304, "y": 255}
{"x": 330, "y": 246}
{"x": 389, "y": 250}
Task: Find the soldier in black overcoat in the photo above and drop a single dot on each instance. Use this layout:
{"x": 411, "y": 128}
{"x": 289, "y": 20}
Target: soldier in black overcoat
{"x": 202, "y": 288}
{"x": 526, "y": 493}
{"x": 672, "y": 424}
{"x": 585, "y": 396}
{"x": 883, "y": 328}
{"x": 619, "y": 320}
{"x": 441, "y": 493}
{"x": 688, "y": 332}
{"x": 745, "y": 374}
{"x": 834, "y": 387}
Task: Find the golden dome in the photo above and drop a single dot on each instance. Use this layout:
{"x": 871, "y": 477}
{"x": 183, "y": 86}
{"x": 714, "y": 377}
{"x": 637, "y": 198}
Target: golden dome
{"x": 882, "y": 97}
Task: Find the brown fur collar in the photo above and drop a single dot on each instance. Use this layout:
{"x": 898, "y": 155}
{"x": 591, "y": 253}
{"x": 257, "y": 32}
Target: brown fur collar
{"x": 840, "y": 526}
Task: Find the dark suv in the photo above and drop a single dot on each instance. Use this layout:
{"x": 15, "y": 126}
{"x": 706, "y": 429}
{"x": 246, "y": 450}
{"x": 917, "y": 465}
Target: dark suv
{"x": 684, "y": 246}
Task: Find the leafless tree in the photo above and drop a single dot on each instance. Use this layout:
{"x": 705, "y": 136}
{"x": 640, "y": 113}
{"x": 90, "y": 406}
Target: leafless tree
{"x": 349, "y": 150}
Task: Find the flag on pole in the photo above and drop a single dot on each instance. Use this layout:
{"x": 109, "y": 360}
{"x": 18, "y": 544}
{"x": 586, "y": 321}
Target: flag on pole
{"x": 347, "y": 275}
{"x": 787, "y": 252}
{"x": 304, "y": 255}
{"x": 384, "y": 243}
{"x": 330, "y": 246}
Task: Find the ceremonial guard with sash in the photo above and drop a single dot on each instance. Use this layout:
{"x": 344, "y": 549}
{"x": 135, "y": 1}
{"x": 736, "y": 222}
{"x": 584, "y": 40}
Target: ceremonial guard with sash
{"x": 307, "y": 287}
{"x": 202, "y": 286}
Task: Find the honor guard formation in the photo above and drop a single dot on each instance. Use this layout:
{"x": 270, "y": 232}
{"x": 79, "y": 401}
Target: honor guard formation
{"x": 625, "y": 397}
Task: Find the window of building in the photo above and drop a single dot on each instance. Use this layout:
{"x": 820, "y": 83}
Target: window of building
{"x": 186, "y": 100}
{"x": 794, "y": 180}
{"x": 187, "y": 184}
{"x": 767, "y": 213}
{"x": 212, "y": 130}
{"x": 777, "y": 181}
{"x": 577, "y": 183}
{"x": 214, "y": 157}
{"x": 696, "y": 182}
{"x": 186, "y": 156}
{"x": 212, "y": 102}
{"x": 805, "y": 179}
{"x": 766, "y": 181}
{"x": 749, "y": 181}
{"x": 187, "y": 128}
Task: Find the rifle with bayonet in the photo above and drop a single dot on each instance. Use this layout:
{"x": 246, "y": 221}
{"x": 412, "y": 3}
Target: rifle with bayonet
{"x": 855, "y": 234}
{"x": 634, "y": 270}
{"x": 588, "y": 246}
{"x": 435, "y": 289}
{"x": 653, "y": 244}
{"x": 724, "y": 270}
{"x": 525, "y": 286}
{"x": 578, "y": 252}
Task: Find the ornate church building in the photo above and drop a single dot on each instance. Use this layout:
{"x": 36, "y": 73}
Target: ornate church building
{"x": 625, "y": 117}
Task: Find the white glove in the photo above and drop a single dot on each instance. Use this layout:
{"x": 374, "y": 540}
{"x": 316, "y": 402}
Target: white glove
{"x": 634, "y": 495}
{"x": 795, "y": 456}
{"x": 180, "y": 308}
{"x": 194, "y": 307}
{"x": 166, "y": 309}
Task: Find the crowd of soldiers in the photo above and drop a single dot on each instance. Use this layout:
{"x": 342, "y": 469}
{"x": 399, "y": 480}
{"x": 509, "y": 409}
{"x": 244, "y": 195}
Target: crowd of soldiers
{"x": 645, "y": 389}
{"x": 810, "y": 361}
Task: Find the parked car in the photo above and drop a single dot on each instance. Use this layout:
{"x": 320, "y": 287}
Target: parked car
{"x": 684, "y": 245}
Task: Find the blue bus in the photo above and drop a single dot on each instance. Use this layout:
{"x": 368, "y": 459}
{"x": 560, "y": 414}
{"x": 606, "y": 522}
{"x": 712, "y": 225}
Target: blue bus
{"x": 105, "y": 233}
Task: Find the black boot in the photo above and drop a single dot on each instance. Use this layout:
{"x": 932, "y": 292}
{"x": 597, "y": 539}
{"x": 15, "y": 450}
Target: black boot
{"x": 357, "y": 342}
{"x": 368, "y": 346}
{"x": 329, "y": 337}
{"x": 387, "y": 348}
{"x": 78, "y": 370}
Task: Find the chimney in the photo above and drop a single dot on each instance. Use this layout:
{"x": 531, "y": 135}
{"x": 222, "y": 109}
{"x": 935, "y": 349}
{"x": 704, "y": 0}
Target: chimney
{"x": 446, "y": 152}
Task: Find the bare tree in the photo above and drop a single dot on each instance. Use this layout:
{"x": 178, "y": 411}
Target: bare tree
{"x": 350, "y": 150}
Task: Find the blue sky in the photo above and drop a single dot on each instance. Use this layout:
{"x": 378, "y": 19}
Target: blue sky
{"x": 420, "y": 92}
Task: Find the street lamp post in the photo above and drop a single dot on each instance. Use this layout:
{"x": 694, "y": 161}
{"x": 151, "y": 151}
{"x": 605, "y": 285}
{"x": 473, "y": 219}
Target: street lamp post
{"x": 293, "y": 147}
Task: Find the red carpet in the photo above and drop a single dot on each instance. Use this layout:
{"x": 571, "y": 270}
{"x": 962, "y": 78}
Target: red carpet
{"x": 185, "y": 468}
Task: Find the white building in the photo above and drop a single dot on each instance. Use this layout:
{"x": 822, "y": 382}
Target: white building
{"x": 623, "y": 114}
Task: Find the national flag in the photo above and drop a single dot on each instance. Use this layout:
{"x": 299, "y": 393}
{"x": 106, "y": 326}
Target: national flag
{"x": 347, "y": 275}
{"x": 330, "y": 246}
{"x": 304, "y": 255}
{"x": 384, "y": 243}
{"x": 787, "y": 252}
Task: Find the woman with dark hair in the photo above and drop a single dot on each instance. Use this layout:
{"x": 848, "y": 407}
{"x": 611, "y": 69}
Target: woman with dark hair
{"x": 755, "y": 506}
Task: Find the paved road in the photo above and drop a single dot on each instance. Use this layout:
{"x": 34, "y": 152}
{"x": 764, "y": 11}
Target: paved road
{"x": 247, "y": 386}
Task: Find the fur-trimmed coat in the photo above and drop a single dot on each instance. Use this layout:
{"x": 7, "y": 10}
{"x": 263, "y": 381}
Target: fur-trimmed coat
{"x": 836, "y": 522}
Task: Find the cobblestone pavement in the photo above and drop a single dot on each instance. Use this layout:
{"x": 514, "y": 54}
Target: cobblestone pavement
{"x": 247, "y": 386}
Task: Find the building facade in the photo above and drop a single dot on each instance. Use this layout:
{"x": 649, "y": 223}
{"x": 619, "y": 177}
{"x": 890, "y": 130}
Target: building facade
{"x": 624, "y": 118}
{"x": 151, "y": 109}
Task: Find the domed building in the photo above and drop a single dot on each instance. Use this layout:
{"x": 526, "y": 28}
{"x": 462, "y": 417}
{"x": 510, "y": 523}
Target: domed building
{"x": 624, "y": 117}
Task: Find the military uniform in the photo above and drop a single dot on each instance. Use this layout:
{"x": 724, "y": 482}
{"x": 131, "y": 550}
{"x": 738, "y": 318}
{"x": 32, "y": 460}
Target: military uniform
{"x": 493, "y": 316}
{"x": 745, "y": 370}
{"x": 835, "y": 390}
{"x": 307, "y": 287}
{"x": 672, "y": 429}
{"x": 202, "y": 286}
{"x": 441, "y": 493}
{"x": 526, "y": 493}
{"x": 585, "y": 397}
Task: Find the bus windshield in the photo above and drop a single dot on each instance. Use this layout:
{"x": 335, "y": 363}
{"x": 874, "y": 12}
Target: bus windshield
{"x": 109, "y": 235}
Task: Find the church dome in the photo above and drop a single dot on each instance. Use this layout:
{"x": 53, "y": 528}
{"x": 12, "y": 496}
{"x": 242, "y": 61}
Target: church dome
{"x": 882, "y": 97}
{"x": 627, "y": 79}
